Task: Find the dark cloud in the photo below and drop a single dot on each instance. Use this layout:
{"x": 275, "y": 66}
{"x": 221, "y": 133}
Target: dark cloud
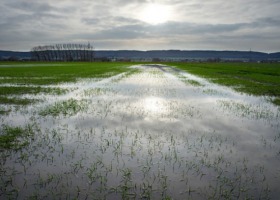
{"x": 91, "y": 21}
{"x": 30, "y": 6}
{"x": 267, "y": 22}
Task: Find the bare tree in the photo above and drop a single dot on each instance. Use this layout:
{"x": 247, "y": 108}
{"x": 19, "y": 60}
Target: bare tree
{"x": 63, "y": 52}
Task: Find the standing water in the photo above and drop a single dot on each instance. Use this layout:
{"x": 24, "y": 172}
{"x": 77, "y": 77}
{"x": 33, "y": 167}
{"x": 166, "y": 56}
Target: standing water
{"x": 159, "y": 133}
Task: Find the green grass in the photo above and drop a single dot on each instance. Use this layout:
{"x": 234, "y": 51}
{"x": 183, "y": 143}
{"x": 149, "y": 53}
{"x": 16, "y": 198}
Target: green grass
{"x": 193, "y": 82}
{"x": 54, "y": 73}
{"x": 4, "y": 111}
{"x": 260, "y": 79}
{"x": 15, "y": 137}
{"x": 66, "y": 108}
{"x": 276, "y": 101}
{"x": 16, "y": 101}
{"x": 251, "y": 78}
{"x": 30, "y": 90}
{"x": 35, "y": 74}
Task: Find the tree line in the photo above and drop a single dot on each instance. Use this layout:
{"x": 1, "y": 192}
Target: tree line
{"x": 63, "y": 52}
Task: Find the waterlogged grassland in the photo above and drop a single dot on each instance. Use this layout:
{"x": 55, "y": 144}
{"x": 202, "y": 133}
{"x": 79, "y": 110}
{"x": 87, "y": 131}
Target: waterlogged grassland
{"x": 259, "y": 79}
{"x": 55, "y": 73}
{"x": 19, "y": 90}
{"x": 66, "y": 108}
{"x": 18, "y": 78}
{"x": 15, "y": 138}
{"x": 153, "y": 132}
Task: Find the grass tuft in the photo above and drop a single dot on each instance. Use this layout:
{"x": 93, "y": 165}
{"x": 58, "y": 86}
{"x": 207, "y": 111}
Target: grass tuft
{"x": 66, "y": 108}
{"x": 16, "y": 101}
{"x": 15, "y": 137}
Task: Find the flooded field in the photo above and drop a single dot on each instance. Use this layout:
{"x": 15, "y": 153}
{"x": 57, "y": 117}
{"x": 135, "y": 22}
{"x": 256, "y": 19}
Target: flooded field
{"x": 153, "y": 133}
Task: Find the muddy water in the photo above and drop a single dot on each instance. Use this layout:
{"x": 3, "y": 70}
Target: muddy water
{"x": 153, "y": 134}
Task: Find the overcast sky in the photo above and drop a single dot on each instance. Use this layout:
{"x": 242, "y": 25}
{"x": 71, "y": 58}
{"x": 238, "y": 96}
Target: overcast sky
{"x": 142, "y": 24}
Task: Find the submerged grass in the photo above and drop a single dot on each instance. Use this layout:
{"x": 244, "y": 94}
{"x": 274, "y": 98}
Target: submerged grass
{"x": 97, "y": 91}
{"x": 16, "y": 101}
{"x": 192, "y": 82}
{"x": 242, "y": 109}
{"x": 15, "y": 137}
{"x": 67, "y": 108}
{"x": 157, "y": 164}
{"x": 30, "y": 90}
{"x": 261, "y": 79}
{"x": 104, "y": 154}
{"x": 4, "y": 110}
{"x": 35, "y": 74}
{"x": 276, "y": 101}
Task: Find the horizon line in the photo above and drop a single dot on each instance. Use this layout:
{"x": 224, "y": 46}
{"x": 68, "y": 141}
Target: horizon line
{"x": 25, "y": 51}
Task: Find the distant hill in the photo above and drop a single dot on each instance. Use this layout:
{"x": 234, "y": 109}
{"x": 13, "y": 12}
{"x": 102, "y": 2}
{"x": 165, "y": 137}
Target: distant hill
{"x": 167, "y": 55}
{"x": 181, "y": 55}
{"x": 275, "y": 56}
{"x": 20, "y": 55}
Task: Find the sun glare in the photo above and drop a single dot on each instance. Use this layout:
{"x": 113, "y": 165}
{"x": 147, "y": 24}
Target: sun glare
{"x": 155, "y": 14}
{"x": 154, "y": 105}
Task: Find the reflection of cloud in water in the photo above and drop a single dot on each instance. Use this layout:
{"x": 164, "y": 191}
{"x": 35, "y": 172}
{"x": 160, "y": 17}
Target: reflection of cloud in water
{"x": 154, "y": 105}
{"x": 156, "y": 121}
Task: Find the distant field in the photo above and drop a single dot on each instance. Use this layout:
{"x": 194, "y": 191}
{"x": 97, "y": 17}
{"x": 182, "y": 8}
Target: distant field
{"x": 253, "y": 78}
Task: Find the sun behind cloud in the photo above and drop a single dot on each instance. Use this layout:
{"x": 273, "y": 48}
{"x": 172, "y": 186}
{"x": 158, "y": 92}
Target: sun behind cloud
{"x": 155, "y": 14}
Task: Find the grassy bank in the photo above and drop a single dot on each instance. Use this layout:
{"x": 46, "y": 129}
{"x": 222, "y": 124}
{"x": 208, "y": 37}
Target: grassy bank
{"x": 260, "y": 79}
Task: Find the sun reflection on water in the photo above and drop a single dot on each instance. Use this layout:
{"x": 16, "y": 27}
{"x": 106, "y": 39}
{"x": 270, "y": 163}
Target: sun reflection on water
{"x": 154, "y": 105}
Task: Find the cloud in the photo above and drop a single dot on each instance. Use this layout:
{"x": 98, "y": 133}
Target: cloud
{"x": 115, "y": 24}
{"x": 120, "y": 33}
{"x": 268, "y": 21}
{"x": 110, "y": 21}
{"x": 180, "y": 28}
{"x": 30, "y": 6}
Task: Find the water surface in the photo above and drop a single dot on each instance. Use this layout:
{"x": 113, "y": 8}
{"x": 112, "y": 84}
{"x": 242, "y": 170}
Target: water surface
{"x": 156, "y": 134}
